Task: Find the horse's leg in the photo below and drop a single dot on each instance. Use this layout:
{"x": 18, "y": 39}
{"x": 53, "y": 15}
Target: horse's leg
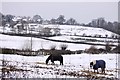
{"x": 61, "y": 61}
{"x": 52, "y": 60}
{"x": 97, "y": 71}
{"x": 103, "y": 70}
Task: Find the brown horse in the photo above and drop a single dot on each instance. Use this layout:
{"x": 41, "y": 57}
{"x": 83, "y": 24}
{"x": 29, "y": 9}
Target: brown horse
{"x": 55, "y": 57}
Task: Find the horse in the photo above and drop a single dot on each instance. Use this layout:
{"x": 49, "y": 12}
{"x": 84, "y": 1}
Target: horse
{"x": 55, "y": 57}
{"x": 98, "y": 64}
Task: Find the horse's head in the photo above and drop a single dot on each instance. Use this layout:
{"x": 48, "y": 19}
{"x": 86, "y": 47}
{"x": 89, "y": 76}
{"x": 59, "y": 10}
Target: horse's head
{"x": 46, "y": 61}
{"x": 91, "y": 64}
{"x": 49, "y": 57}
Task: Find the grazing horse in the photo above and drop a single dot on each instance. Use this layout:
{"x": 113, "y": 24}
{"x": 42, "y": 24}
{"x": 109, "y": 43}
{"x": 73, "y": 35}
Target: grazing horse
{"x": 98, "y": 64}
{"x": 55, "y": 57}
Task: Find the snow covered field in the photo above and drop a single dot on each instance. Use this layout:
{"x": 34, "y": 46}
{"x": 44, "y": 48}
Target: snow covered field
{"x": 80, "y": 30}
{"x": 17, "y": 42}
{"x": 66, "y": 32}
{"x": 74, "y": 66}
{"x": 85, "y": 39}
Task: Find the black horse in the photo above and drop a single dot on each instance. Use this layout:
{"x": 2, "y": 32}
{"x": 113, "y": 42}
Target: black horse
{"x": 98, "y": 64}
{"x": 55, "y": 57}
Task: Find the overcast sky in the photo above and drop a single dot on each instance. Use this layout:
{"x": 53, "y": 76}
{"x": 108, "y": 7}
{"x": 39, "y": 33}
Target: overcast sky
{"x": 83, "y": 12}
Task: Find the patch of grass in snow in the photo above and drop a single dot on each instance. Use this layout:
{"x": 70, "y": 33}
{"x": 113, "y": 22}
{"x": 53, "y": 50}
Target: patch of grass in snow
{"x": 12, "y": 68}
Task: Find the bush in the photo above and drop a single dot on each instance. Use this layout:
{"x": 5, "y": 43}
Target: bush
{"x": 7, "y": 51}
{"x": 116, "y": 49}
{"x": 63, "y": 46}
{"x": 108, "y": 47}
{"x": 93, "y": 50}
{"x": 53, "y": 47}
{"x": 27, "y": 45}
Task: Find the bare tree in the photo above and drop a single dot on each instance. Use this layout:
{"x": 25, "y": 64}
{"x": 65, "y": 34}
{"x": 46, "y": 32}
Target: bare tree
{"x": 71, "y": 21}
{"x": 63, "y": 46}
{"x": 53, "y": 47}
{"x": 27, "y": 45}
{"x": 108, "y": 47}
{"x": 61, "y": 19}
{"x": 37, "y": 19}
{"x": 93, "y": 50}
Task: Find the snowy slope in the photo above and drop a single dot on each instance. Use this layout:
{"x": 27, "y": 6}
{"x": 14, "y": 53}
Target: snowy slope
{"x": 17, "y": 42}
{"x": 72, "y": 30}
{"x": 80, "y": 30}
{"x": 85, "y": 39}
{"x": 66, "y": 30}
{"x": 73, "y": 64}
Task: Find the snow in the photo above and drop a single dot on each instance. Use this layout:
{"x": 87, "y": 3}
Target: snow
{"x": 83, "y": 39}
{"x": 17, "y": 42}
{"x": 80, "y": 30}
{"x": 74, "y": 30}
{"x": 77, "y": 63}
{"x": 35, "y": 67}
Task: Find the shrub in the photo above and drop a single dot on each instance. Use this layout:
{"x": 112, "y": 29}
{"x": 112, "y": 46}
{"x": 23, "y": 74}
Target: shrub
{"x": 108, "y": 47}
{"x": 7, "y": 51}
{"x": 53, "y": 47}
{"x": 63, "y": 46}
{"x": 27, "y": 46}
{"x": 93, "y": 50}
{"x": 116, "y": 49}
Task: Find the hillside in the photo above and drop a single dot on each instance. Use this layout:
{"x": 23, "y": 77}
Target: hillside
{"x": 82, "y": 30}
{"x": 68, "y": 33}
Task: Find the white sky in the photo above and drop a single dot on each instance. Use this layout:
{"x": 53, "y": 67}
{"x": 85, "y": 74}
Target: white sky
{"x": 82, "y": 10}
{"x": 60, "y": 0}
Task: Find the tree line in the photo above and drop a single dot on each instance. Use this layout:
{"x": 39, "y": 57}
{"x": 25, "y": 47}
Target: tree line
{"x": 98, "y": 23}
{"x": 101, "y": 23}
{"x": 4, "y": 19}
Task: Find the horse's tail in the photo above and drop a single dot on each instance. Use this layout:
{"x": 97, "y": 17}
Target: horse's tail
{"x": 49, "y": 57}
